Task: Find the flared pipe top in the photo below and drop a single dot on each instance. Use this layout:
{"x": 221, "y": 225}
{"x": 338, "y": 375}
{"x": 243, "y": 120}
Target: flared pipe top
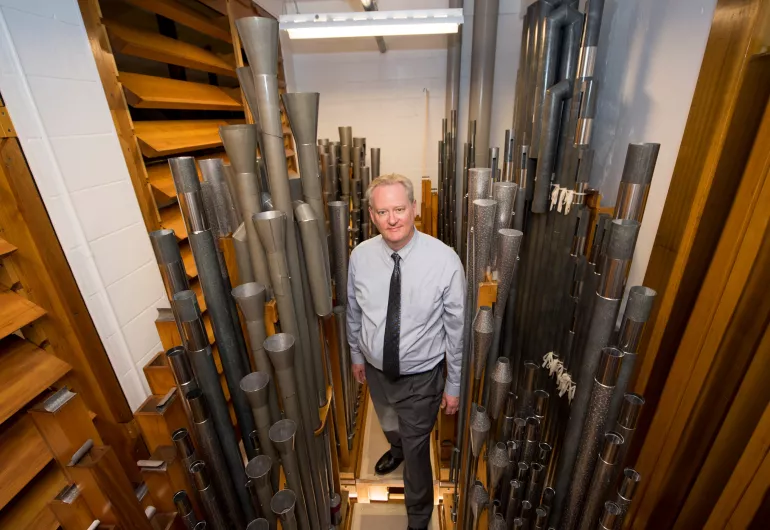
{"x": 259, "y": 37}
{"x": 165, "y": 246}
{"x": 479, "y": 499}
{"x": 280, "y": 348}
{"x": 282, "y": 434}
{"x": 246, "y": 80}
{"x": 251, "y": 300}
{"x": 640, "y": 163}
{"x": 258, "y": 469}
{"x": 183, "y": 442}
{"x": 240, "y": 142}
{"x": 630, "y": 411}
{"x": 283, "y": 503}
{"x": 497, "y": 461}
{"x": 302, "y": 110}
{"x": 255, "y": 385}
{"x": 271, "y": 227}
{"x": 483, "y": 334}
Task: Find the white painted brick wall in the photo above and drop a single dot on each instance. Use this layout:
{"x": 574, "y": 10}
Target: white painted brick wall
{"x": 51, "y": 87}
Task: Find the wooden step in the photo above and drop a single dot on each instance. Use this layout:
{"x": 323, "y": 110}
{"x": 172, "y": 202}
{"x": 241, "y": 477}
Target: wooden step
{"x": 25, "y": 372}
{"x": 210, "y": 333}
{"x": 29, "y": 510}
{"x": 289, "y": 153}
{"x": 171, "y": 219}
{"x": 23, "y": 454}
{"x": 186, "y": 16}
{"x": 149, "y": 45}
{"x": 6, "y": 248}
{"x": 168, "y": 137}
{"x": 195, "y": 286}
{"x": 16, "y": 312}
{"x": 188, "y": 260}
{"x": 150, "y": 92}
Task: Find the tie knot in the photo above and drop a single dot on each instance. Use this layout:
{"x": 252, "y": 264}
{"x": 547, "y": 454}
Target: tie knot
{"x": 396, "y": 257}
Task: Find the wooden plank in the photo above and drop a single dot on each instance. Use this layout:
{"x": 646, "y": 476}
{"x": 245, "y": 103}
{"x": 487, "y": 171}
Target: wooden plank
{"x": 23, "y": 454}
{"x": 6, "y": 248}
{"x": 171, "y": 219}
{"x": 162, "y": 138}
{"x": 29, "y": 511}
{"x": 149, "y": 45}
{"x": 186, "y": 16}
{"x": 16, "y": 312}
{"x": 159, "y": 376}
{"x": 195, "y": 286}
{"x": 25, "y": 372}
{"x": 188, "y": 260}
{"x": 150, "y": 92}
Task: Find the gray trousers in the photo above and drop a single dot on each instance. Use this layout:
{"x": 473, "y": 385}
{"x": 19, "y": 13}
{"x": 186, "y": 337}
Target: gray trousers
{"x": 407, "y": 408}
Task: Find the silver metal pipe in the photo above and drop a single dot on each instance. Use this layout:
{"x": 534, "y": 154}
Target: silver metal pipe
{"x": 185, "y": 450}
{"x": 485, "y": 14}
{"x": 505, "y": 195}
{"x": 541, "y": 518}
{"x": 282, "y": 435}
{"x": 185, "y": 510}
{"x": 500, "y": 384}
{"x": 483, "y": 222}
{"x": 242, "y": 256}
{"x": 217, "y": 298}
{"x": 592, "y": 433}
{"x": 515, "y": 496}
{"x": 246, "y": 80}
{"x": 626, "y": 422}
{"x": 209, "y": 498}
{"x": 609, "y": 516}
{"x": 281, "y": 348}
{"x": 635, "y": 181}
{"x": 172, "y": 271}
{"x": 211, "y": 451}
{"x": 339, "y": 220}
{"x": 251, "y": 299}
{"x": 526, "y": 512}
{"x": 479, "y": 500}
{"x": 343, "y": 351}
{"x": 314, "y": 248}
{"x": 479, "y": 433}
{"x": 554, "y": 97}
{"x": 240, "y": 142}
{"x": 258, "y": 390}
{"x": 625, "y": 494}
{"x": 202, "y": 360}
{"x": 531, "y": 441}
{"x": 283, "y": 505}
{"x": 182, "y": 371}
{"x": 497, "y": 462}
{"x": 535, "y": 484}
{"x": 375, "y": 162}
{"x": 260, "y": 469}
{"x": 602, "y": 479}
{"x": 248, "y": 198}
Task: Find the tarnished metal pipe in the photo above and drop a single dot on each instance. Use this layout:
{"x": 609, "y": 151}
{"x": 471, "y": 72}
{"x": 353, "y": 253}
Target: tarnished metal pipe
{"x": 258, "y": 389}
{"x": 314, "y": 248}
{"x": 602, "y": 479}
{"x": 242, "y": 255}
{"x": 479, "y": 500}
{"x": 185, "y": 510}
{"x": 609, "y": 516}
{"x": 515, "y": 496}
{"x": 485, "y": 15}
{"x": 185, "y": 450}
{"x": 260, "y": 470}
{"x": 283, "y": 436}
{"x": 625, "y": 495}
{"x": 343, "y": 351}
{"x": 497, "y": 462}
{"x": 635, "y": 181}
{"x": 339, "y": 220}
{"x": 209, "y": 497}
{"x": 172, "y": 271}
{"x": 626, "y": 422}
{"x": 283, "y": 505}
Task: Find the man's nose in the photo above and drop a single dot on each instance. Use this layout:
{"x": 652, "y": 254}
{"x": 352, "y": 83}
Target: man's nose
{"x": 392, "y": 219}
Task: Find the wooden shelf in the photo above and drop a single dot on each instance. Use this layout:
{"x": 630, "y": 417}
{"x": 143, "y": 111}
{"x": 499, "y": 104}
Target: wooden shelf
{"x": 149, "y": 45}
{"x": 171, "y": 219}
{"x": 6, "y": 248}
{"x": 23, "y": 454}
{"x": 161, "y": 138}
{"x": 150, "y": 92}
{"x": 25, "y": 372}
{"x": 195, "y": 286}
{"x": 16, "y": 312}
{"x": 179, "y": 12}
{"x": 289, "y": 153}
{"x": 188, "y": 260}
{"x": 29, "y": 511}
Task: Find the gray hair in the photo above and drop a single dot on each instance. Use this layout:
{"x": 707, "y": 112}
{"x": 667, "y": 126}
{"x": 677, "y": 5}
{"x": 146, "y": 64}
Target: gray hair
{"x": 389, "y": 180}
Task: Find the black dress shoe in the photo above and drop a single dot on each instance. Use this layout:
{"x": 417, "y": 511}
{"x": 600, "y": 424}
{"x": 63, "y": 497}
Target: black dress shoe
{"x": 410, "y": 528}
{"x": 387, "y": 464}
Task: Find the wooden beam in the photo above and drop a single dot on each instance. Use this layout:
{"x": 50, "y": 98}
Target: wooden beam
{"x": 163, "y": 138}
{"x": 23, "y": 454}
{"x": 29, "y": 510}
{"x": 178, "y": 12}
{"x": 6, "y": 248}
{"x": 16, "y": 312}
{"x": 150, "y": 92}
{"x": 149, "y": 45}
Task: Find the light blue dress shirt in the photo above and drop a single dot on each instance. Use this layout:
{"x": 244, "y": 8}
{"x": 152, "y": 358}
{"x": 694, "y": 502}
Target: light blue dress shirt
{"x": 432, "y": 305}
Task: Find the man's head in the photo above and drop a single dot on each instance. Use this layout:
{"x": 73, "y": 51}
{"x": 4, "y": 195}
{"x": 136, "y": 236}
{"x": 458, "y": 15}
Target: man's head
{"x": 392, "y": 208}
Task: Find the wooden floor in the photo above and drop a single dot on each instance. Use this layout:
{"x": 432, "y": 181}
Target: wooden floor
{"x": 384, "y": 516}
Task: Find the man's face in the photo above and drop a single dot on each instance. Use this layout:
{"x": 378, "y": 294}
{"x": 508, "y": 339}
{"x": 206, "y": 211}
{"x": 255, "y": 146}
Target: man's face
{"x": 392, "y": 213}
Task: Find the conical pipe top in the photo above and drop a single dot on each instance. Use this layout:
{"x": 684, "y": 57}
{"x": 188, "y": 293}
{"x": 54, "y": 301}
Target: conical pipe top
{"x": 259, "y": 37}
{"x": 280, "y": 348}
{"x": 246, "y": 80}
{"x": 282, "y": 435}
{"x": 165, "y": 246}
{"x": 500, "y": 384}
{"x": 282, "y": 504}
{"x": 483, "y": 334}
{"x": 505, "y": 194}
{"x": 479, "y": 498}
{"x": 302, "y": 110}
{"x": 480, "y": 425}
{"x": 497, "y": 461}
{"x": 498, "y": 522}
{"x": 508, "y": 244}
{"x": 271, "y": 227}
{"x": 250, "y": 298}
{"x": 241, "y": 145}
{"x": 255, "y": 385}
{"x": 258, "y": 469}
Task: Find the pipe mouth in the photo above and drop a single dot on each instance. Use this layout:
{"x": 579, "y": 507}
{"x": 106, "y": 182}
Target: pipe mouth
{"x": 533, "y": 428}
{"x": 630, "y": 411}
{"x": 339, "y": 310}
{"x": 536, "y": 468}
{"x": 610, "y": 514}
{"x": 612, "y": 443}
{"x": 237, "y": 126}
{"x": 185, "y": 174}
{"x": 183, "y": 442}
{"x": 628, "y": 483}
{"x": 485, "y": 203}
{"x": 186, "y": 306}
{"x": 519, "y": 425}
{"x": 251, "y": 299}
{"x": 180, "y": 364}
{"x": 270, "y": 215}
{"x": 305, "y": 213}
{"x": 609, "y": 365}
{"x": 200, "y": 474}
{"x": 548, "y": 495}
{"x": 541, "y": 402}
{"x": 165, "y": 246}
{"x": 197, "y": 403}
{"x": 182, "y": 503}
{"x": 640, "y": 302}
{"x": 283, "y": 431}
{"x": 282, "y": 503}
{"x": 522, "y": 469}
{"x": 255, "y": 385}
{"x": 279, "y": 343}
{"x": 258, "y": 467}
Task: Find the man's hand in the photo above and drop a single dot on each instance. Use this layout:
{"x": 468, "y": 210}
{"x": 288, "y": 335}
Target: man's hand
{"x": 450, "y": 404}
{"x": 359, "y": 372}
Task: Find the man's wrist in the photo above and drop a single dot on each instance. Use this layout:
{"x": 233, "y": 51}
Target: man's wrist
{"x": 452, "y": 389}
{"x": 357, "y": 357}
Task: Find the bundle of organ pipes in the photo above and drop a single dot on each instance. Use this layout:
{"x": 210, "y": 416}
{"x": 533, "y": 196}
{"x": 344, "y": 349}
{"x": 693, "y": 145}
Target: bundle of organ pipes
{"x": 288, "y": 249}
{"x": 546, "y": 395}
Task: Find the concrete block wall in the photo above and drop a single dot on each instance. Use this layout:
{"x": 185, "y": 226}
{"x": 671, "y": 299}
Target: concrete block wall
{"x": 51, "y": 87}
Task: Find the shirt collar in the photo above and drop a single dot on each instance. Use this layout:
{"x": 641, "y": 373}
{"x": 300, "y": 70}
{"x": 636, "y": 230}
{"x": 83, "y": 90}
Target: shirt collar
{"x": 405, "y": 250}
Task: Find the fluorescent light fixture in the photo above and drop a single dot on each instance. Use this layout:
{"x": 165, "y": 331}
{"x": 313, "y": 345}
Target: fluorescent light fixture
{"x": 372, "y": 23}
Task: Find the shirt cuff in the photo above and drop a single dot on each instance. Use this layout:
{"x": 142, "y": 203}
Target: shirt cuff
{"x": 452, "y": 389}
{"x": 357, "y": 357}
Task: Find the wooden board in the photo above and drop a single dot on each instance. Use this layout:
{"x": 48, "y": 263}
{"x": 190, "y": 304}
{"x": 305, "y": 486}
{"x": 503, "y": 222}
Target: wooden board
{"x": 16, "y": 312}
{"x": 162, "y": 138}
{"x": 29, "y": 511}
{"x": 150, "y": 92}
{"x": 171, "y": 219}
{"x": 188, "y": 260}
{"x": 178, "y": 12}
{"x": 6, "y": 248}
{"x": 23, "y": 454}
{"x": 149, "y": 45}
{"x": 25, "y": 372}
{"x": 195, "y": 286}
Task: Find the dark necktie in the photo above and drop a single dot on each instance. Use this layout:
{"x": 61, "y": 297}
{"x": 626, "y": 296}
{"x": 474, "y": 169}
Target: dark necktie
{"x": 390, "y": 363}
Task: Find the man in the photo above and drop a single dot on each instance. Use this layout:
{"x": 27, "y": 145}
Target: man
{"x": 406, "y": 292}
